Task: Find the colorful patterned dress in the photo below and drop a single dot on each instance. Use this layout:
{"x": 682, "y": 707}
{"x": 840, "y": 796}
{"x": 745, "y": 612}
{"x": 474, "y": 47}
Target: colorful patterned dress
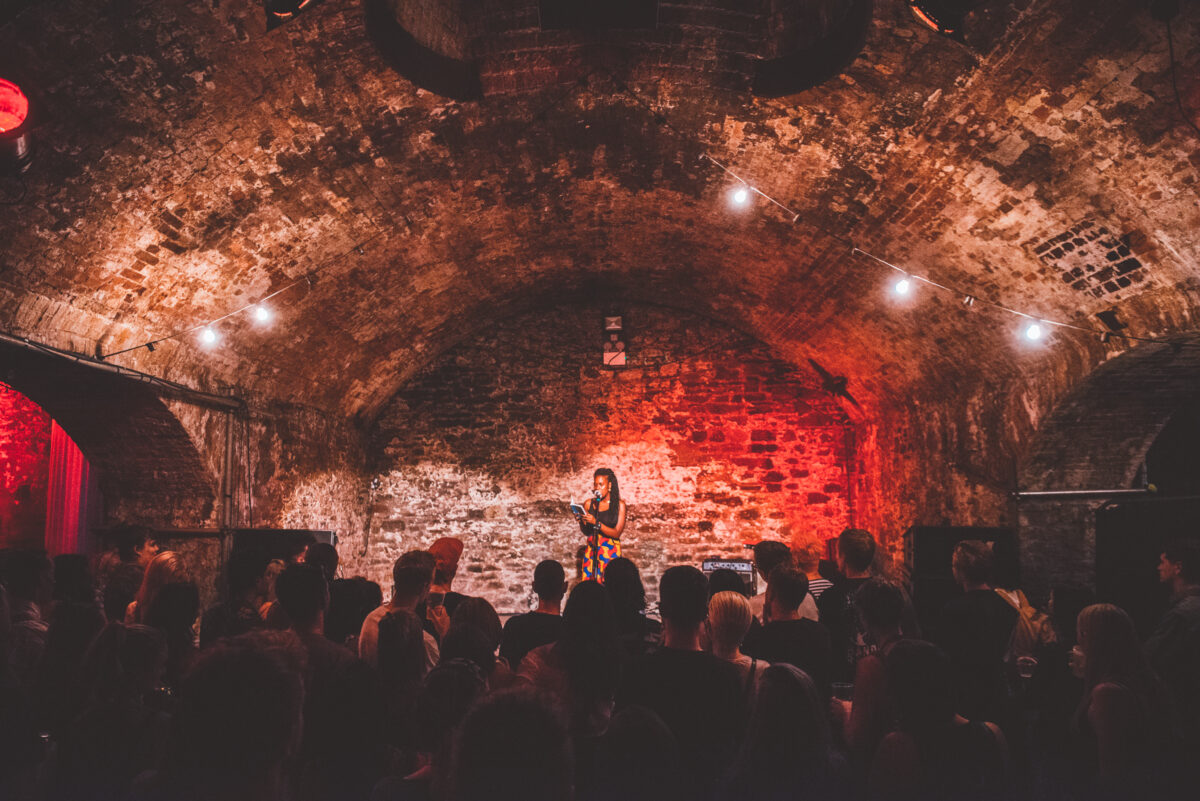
{"x": 600, "y": 549}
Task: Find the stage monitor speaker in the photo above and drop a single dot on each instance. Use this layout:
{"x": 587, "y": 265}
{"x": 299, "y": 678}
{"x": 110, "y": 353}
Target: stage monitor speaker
{"x": 928, "y": 550}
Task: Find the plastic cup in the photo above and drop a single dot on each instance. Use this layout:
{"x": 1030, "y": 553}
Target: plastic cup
{"x": 1026, "y": 665}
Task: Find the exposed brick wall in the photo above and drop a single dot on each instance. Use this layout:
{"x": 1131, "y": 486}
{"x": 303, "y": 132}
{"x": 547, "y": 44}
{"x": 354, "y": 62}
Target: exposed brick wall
{"x": 24, "y": 470}
{"x": 1098, "y": 437}
{"x": 444, "y": 26}
{"x": 714, "y": 443}
{"x": 189, "y": 162}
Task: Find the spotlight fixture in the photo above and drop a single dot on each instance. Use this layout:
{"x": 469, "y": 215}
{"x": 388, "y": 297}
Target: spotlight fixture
{"x": 15, "y": 140}
{"x": 968, "y": 301}
{"x": 150, "y": 347}
{"x": 1034, "y": 332}
{"x": 740, "y": 196}
{"x": 903, "y": 287}
{"x": 208, "y": 336}
{"x": 262, "y": 314}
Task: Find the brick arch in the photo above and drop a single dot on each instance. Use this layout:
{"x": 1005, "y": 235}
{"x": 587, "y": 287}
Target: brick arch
{"x": 715, "y": 439}
{"x": 1098, "y": 437}
{"x": 149, "y": 469}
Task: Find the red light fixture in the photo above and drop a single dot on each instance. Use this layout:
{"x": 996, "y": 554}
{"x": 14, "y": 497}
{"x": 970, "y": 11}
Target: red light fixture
{"x": 15, "y": 141}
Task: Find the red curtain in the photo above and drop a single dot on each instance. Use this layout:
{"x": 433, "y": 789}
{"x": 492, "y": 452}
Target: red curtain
{"x": 67, "y": 500}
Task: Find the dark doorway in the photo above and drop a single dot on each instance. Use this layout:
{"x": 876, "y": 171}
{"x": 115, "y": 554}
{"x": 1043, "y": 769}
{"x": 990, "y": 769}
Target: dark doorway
{"x": 1130, "y": 536}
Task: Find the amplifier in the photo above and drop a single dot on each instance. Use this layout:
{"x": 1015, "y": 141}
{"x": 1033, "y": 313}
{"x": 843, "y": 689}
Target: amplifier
{"x": 743, "y": 567}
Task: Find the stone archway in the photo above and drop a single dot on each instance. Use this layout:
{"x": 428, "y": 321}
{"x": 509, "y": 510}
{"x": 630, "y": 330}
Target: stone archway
{"x": 149, "y": 469}
{"x": 1097, "y": 438}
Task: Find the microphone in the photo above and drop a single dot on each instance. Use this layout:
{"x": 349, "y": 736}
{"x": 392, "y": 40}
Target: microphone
{"x": 598, "y": 496}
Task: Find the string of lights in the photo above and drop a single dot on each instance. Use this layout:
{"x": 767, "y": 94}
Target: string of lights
{"x": 262, "y": 313}
{"x": 740, "y": 196}
{"x": 744, "y": 190}
{"x": 1036, "y": 328}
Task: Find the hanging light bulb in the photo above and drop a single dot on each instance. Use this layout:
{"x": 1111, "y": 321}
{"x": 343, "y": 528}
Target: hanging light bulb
{"x": 903, "y": 287}
{"x": 1034, "y": 332}
{"x": 262, "y": 314}
{"x": 740, "y": 196}
{"x": 208, "y": 336}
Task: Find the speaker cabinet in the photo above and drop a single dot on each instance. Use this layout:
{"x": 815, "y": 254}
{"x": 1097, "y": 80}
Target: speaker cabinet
{"x": 928, "y": 550}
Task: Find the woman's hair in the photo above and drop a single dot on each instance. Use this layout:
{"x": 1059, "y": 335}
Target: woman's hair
{"x": 921, "y": 680}
{"x": 482, "y": 615}
{"x": 166, "y": 568}
{"x": 614, "y": 496}
{"x": 788, "y": 732}
{"x": 589, "y": 648}
{"x": 625, "y": 588}
{"x": 1111, "y": 649}
{"x": 880, "y": 603}
{"x": 729, "y": 619}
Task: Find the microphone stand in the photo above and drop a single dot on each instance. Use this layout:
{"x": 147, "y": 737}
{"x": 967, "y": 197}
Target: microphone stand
{"x": 594, "y": 539}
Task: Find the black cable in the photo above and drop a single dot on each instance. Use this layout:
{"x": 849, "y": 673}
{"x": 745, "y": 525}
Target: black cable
{"x": 1175, "y": 82}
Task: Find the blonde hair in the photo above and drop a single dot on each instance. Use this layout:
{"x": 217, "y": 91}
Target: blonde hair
{"x": 729, "y": 618}
{"x": 1111, "y": 649}
{"x": 163, "y": 569}
{"x": 808, "y": 555}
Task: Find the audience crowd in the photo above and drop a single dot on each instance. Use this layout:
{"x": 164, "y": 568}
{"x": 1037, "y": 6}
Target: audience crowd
{"x": 302, "y": 686}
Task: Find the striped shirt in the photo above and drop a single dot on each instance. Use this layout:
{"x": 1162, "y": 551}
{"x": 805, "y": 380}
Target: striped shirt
{"x": 818, "y": 585}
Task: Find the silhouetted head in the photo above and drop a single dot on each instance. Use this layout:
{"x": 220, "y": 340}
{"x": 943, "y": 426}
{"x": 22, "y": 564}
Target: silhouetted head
{"x": 683, "y": 596}
{"x": 550, "y": 580}
{"x": 303, "y": 593}
{"x": 513, "y": 746}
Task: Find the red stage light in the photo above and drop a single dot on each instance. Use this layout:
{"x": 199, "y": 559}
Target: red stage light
{"x": 14, "y": 106}
{"x": 16, "y": 144}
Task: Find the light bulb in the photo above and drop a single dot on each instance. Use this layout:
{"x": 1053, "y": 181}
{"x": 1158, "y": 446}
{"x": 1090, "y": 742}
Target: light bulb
{"x": 740, "y": 196}
{"x": 262, "y": 314}
{"x": 1034, "y": 332}
{"x": 208, "y": 336}
{"x": 903, "y": 287}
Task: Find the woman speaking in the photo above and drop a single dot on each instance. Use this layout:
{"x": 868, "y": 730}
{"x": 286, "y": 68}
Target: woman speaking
{"x": 603, "y": 520}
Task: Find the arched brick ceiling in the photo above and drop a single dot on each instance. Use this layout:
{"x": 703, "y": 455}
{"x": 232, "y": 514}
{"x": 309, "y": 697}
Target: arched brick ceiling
{"x": 190, "y": 163}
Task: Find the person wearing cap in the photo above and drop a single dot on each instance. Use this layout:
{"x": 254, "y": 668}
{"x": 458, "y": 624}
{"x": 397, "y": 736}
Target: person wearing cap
{"x": 446, "y": 551}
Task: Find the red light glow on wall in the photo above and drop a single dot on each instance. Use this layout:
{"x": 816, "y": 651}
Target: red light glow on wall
{"x": 14, "y": 106}
{"x": 24, "y": 470}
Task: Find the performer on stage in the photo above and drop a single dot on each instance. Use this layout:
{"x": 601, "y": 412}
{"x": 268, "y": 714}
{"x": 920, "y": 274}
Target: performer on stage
{"x": 602, "y": 521}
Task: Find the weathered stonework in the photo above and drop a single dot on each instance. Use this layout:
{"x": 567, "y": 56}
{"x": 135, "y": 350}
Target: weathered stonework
{"x": 715, "y": 444}
{"x": 189, "y": 163}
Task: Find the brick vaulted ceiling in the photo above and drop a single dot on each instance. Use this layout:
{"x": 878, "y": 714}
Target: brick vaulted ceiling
{"x": 191, "y": 162}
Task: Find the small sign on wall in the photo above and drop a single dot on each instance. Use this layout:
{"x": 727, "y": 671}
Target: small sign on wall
{"x": 614, "y": 353}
